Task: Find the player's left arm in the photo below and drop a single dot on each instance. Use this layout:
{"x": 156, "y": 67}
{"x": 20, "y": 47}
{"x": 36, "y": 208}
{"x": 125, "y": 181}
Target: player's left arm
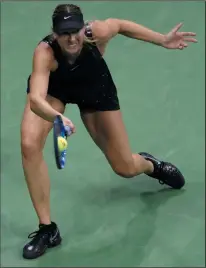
{"x": 133, "y": 30}
{"x": 105, "y": 30}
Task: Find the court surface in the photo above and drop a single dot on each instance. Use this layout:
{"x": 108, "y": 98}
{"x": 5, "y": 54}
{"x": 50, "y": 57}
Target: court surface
{"x": 105, "y": 220}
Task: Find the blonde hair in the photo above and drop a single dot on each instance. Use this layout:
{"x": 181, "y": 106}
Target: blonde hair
{"x": 66, "y": 8}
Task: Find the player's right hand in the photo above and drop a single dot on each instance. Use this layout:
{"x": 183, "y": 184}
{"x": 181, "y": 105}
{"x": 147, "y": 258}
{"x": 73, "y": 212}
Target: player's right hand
{"x": 68, "y": 122}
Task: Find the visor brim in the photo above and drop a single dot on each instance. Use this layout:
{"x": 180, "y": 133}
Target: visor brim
{"x": 68, "y": 27}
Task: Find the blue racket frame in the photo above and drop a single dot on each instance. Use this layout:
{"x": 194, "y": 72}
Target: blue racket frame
{"x": 59, "y": 130}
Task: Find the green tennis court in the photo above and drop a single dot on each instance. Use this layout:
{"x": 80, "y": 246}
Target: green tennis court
{"x": 105, "y": 220}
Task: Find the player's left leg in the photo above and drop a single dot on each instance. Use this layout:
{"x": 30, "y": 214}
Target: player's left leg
{"x": 108, "y": 132}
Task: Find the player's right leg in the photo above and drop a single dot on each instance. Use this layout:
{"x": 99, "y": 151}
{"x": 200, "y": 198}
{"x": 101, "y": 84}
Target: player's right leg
{"x": 34, "y": 131}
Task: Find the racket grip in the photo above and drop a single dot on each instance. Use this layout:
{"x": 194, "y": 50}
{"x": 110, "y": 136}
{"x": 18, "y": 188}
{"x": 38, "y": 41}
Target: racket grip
{"x": 68, "y": 130}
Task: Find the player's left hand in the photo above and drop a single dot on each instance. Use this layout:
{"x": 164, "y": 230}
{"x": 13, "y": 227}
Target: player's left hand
{"x": 178, "y": 40}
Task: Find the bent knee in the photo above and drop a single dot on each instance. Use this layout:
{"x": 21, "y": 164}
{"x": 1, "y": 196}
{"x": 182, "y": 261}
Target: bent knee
{"x": 31, "y": 146}
{"x": 125, "y": 170}
{"x": 32, "y": 140}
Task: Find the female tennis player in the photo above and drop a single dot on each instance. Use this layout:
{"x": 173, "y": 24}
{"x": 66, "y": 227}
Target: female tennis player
{"x": 68, "y": 67}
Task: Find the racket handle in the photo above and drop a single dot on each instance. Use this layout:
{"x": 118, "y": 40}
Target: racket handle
{"x": 68, "y": 130}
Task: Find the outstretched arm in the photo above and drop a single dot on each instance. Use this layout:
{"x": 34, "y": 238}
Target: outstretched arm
{"x": 105, "y": 30}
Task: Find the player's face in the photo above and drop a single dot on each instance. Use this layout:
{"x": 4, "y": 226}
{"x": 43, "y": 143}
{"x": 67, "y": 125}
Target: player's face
{"x": 71, "y": 43}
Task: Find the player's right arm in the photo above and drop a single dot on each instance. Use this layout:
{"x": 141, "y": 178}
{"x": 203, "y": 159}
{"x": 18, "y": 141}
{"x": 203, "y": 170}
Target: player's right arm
{"x": 42, "y": 65}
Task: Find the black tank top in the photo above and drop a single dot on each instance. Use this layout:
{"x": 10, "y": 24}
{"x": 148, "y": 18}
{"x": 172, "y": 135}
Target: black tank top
{"x": 87, "y": 70}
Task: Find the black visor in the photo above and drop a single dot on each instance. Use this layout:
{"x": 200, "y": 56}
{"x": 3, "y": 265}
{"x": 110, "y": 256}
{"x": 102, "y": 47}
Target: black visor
{"x": 68, "y": 23}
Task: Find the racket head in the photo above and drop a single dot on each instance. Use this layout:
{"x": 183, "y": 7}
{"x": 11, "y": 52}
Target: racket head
{"x": 59, "y": 131}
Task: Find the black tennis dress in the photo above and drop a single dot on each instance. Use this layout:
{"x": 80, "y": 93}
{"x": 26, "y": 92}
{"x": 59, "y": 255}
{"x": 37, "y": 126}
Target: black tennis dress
{"x": 87, "y": 83}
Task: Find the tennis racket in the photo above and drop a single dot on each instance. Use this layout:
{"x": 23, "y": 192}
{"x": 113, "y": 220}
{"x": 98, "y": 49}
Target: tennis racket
{"x": 59, "y": 130}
